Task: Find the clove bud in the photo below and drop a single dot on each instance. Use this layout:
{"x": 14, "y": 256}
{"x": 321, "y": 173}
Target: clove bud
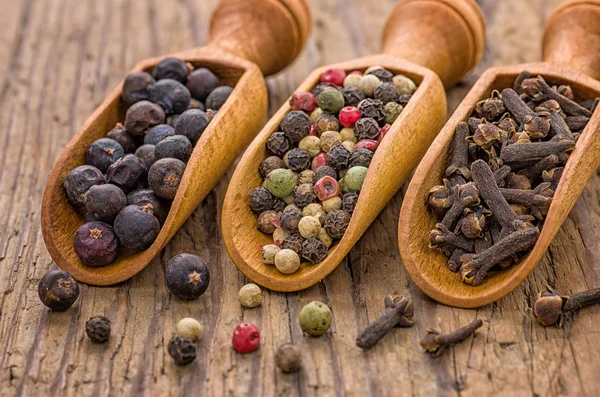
{"x": 398, "y": 313}
{"x": 550, "y": 308}
{"x": 435, "y": 343}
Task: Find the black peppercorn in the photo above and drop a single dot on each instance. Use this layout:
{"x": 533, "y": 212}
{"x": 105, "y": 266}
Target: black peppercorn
{"x": 289, "y": 219}
{"x": 372, "y": 108}
{"x": 150, "y": 202}
{"x": 171, "y": 68}
{"x": 96, "y": 244}
{"x": 353, "y": 96}
{"x": 360, "y": 157}
{"x": 278, "y": 143}
{"x": 79, "y": 181}
{"x": 171, "y": 95}
{"x": 279, "y": 205}
{"x": 217, "y": 97}
{"x": 296, "y": 125}
{"x": 327, "y": 122}
{"x": 336, "y": 223}
{"x": 103, "y": 202}
{"x": 314, "y": 250}
{"x": 403, "y": 99}
{"x": 136, "y": 227}
{"x": 261, "y": 200}
{"x": 266, "y": 221}
{"x": 176, "y": 146}
{"x": 98, "y": 329}
{"x": 192, "y": 124}
{"x": 322, "y": 171}
{"x": 142, "y": 115}
{"x": 119, "y": 134}
{"x": 304, "y": 195}
{"x": 382, "y": 74}
{"x": 182, "y": 349}
{"x": 366, "y": 128}
{"x": 201, "y": 82}
{"x": 386, "y": 92}
{"x": 322, "y": 87}
{"x": 293, "y": 242}
{"x": 136, "y": 87}
{"x": 172, "y": 120}
{"x": 58, "y": 290}
{"x": 165, "y": 176}
{"x": 337, "y": 157}
{"x": 349, "y": 202}
{"x": 298, "y": 160}
{"x": 146, "y": 154}
{"x": 127, "y": 173}
{"x": 158, "y": 133}
{"x": 103, "y": 152}
{"x": 269, "y": 164}
{"x": 187, "y": 276}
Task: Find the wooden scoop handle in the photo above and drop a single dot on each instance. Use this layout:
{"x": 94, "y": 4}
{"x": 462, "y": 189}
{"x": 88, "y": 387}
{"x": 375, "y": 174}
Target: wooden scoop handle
{"x": 269, "y": 33}
{"x": 446, "y": 36}
{"x": 572, "y": 36}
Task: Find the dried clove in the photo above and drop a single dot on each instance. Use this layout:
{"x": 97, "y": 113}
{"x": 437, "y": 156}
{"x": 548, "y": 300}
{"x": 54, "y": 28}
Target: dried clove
{"x": 440, "y": 197}
{"x": 560, "y": 127}
{"x": 454, "y": 260}
{"x": 576, "y": 123}
{"x": 537, "y": 123}
{"x": 435, "y": 343}
{"x": 550, "y": 308}
{"x": 441, "y": 237}
{"x": 475, "y": 266}
{"x": 501, "y": 173}
{"x": 539, "y": 90}
{"x": 553, "y": 176}
{"x": 460, "y": 155}
{"x": 464, "y": 196}
{"x": 537, "y": 150}
{"x": 535, "y": 172}
{"x": 532, "y": 199}
{"x": 398, "y": 313}
{"x": 519, "y": 80}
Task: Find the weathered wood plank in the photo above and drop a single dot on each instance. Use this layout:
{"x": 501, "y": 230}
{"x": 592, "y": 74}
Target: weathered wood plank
{"x": 57, "y": 61}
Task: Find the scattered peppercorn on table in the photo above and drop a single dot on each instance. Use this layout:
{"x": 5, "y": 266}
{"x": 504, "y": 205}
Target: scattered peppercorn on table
{"x": 57, "y": 67}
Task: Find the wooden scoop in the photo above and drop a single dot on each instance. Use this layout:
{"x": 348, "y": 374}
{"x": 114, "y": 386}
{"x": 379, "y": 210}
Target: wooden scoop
{"x": 444, "y": 36}
{"x": 571, "y": 46}
{"x": 247, "y": 36}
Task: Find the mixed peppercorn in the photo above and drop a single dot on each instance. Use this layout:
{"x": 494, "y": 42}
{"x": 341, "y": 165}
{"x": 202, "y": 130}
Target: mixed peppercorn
{"x": 133, "y": 173}
{"x": 319, "y": 160}
{"x": 506, "y": 164}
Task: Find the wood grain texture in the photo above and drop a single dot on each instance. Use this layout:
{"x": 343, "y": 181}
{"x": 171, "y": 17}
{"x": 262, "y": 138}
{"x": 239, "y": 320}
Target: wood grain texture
{"x": 427, "y": 267}
{"x": 56, "y": 67}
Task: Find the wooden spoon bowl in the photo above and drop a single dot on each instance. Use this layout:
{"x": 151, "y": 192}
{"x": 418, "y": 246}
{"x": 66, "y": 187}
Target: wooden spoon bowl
{"x": 242, "y": 115}
{"x": 405, "y": 143}
{"x": 427, "y": 267}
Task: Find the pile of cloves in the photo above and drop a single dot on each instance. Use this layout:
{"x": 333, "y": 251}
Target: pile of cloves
{"x": 506, "y": 164}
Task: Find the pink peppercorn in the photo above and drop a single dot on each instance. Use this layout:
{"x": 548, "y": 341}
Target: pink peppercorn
{"x": 246, "y": 338}
{"x": 367, "y": 144}
{"x": 358, "y": 72}
{"x": 303, "y": 101}
{"x": 313, "y": 130}
{"x": 349, "y": 115}
{"x": 326, "y": 188}
{"x": 384, "y": 130}
{"x": 318, "y": 161}
{"x": 333, "y": 75}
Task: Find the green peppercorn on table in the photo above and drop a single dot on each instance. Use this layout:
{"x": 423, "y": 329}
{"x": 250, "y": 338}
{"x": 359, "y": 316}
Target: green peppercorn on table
{"x": 56, "y": 67}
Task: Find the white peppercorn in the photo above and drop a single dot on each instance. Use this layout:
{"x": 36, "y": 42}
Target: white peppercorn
{"x": 368, "y": 83}
{"x": 316, "y": 210}
{"x": 334, "y": 203}
{"x": 279, "y": 235}
{"x": 330, "y": 139}
{"x": 250, "y": 295}
{"x": 311, "y": 144}
{"x": 268, "y": 253}
{"x": 190, "y": 328}
{"x": 325, "y": 238}
{"x": 287, "y": 261}
{"x": 309, "y": 226}
{"x": 305, "y": 176}
{"x": 352, "y": 80}
{"x": 403, "y": 84}
{"x": 349, "y": 145}
{"x": 347, "y": 134}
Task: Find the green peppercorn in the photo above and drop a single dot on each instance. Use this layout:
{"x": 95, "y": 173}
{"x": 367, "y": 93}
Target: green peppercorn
{"x": 315, "y": 318}
{"x": 392, "y": 111}
{"x": 331, "y": 101}
{"x": 281, "y": 182}
{"x": 355, "y": 177}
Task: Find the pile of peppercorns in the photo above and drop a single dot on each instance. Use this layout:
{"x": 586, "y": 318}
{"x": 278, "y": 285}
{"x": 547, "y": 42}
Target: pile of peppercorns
{"x": 320, "y": 159}
{"x": 131, "y": 176}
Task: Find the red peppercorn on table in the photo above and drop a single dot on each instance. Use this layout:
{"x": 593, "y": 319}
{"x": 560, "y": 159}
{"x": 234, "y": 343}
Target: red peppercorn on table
{"x": 59, "y": 59}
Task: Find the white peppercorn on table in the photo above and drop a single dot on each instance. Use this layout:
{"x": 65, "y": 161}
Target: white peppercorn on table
{"x": 56, "y": 67}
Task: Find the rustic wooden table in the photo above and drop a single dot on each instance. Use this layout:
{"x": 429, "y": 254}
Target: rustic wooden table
{"x": 59, "y": 58}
